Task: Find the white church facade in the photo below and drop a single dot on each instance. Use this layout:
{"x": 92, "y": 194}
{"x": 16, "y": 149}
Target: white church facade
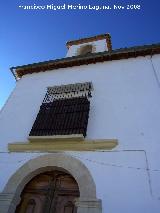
{"x": 81, "y": 134}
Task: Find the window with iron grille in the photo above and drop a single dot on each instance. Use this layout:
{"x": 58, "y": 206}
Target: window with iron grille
{"x": 64, "y": 111}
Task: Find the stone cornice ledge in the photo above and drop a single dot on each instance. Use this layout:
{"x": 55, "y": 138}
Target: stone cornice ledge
{"x": 62, "y": 145}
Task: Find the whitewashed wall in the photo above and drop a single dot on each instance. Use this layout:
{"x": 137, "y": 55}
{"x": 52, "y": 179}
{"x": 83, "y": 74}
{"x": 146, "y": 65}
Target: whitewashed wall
{"x": 125, "y": 105}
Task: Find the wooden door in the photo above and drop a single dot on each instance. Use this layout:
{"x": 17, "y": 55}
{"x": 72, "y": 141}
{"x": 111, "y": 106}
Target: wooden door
{"x": 50, "y": 192}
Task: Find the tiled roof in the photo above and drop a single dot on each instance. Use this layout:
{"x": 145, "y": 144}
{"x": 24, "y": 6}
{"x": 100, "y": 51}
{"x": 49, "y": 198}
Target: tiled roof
{"x": 123, "y": 53}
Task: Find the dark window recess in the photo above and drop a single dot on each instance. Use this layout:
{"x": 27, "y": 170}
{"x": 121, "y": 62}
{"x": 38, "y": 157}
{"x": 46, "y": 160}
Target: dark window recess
{"x": 87, "y": 49}
{"x": 62, "y": 117}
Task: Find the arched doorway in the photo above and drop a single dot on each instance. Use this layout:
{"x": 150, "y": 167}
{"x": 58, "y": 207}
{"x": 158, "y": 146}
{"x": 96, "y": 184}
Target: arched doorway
{"x": 87, "y": 202}
{"x": 49, "y": 192}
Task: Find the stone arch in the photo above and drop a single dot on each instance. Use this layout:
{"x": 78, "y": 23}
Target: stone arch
{"x": 87, "y": 202}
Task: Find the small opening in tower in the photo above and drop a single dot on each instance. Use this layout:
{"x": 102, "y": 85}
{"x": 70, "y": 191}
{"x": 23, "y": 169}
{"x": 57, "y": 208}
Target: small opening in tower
{"x": 84, "y": 50}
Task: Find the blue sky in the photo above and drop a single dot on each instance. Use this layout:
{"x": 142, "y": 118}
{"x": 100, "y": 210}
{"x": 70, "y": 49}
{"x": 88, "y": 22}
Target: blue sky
{"x": 28, "y": 36}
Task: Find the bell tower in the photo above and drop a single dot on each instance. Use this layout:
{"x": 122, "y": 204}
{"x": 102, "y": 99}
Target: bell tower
{"x": 84, "y": 46}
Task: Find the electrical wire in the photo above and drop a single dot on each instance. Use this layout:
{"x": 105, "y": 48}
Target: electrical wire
{"x": 115, "y": 165}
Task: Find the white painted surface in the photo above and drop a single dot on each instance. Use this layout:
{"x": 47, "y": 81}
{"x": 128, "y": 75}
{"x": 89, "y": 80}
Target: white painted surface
{"x": 125, "y": 102}
{"x": 125, "y": 105}
{"x": 100, "y": 46}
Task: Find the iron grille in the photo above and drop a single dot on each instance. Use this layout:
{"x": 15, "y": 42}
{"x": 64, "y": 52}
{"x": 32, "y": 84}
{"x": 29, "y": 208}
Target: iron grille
{"x": 62, "y": 117}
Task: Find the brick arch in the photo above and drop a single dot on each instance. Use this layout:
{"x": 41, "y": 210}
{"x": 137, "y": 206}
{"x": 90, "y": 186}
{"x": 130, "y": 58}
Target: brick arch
{"x": 49, "y": 162}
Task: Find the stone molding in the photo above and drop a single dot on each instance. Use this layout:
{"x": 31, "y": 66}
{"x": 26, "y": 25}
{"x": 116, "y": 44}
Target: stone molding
{"x": 89, "y": 203}
{"x": 5, "y": 201}
{"x": 46, "y": 144}
{"x": 89, "y": 206}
